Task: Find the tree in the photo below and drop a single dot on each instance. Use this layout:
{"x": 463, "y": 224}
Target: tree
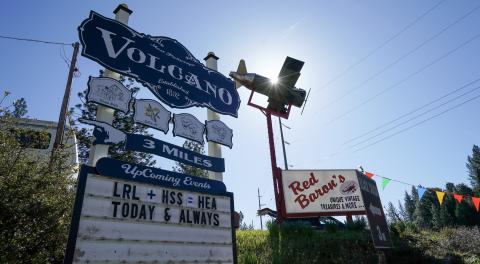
{"x": 191, "y": 170}
{"x": 37, "y": 198}
{"x": 121, "y": 121}
{"x": 422, "y": 216}
{"x": 473, "y": 168}
{"x": 392, "y": 214}
{"x": 410, "y": 204}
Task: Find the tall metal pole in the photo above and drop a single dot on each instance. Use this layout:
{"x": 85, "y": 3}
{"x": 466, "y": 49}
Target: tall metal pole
{"x": 275, "y": 171}
{"x": 105, "y": 114}
{"x": 259, "y": 208}
{"x": 214, "y": 149}
{"x": 283, "y": 143}
{"x": 66, "y": 98}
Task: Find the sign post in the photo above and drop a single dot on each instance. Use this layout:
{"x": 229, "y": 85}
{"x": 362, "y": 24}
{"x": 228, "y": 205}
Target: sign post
{"x": 105, "y": 114}
{"x": 214, "y": 149}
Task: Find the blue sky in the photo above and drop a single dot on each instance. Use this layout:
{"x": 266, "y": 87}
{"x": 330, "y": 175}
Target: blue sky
{"x": 330, "y": 36}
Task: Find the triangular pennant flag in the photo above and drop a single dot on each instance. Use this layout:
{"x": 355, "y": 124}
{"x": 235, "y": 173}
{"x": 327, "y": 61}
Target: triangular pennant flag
{"x": 385, "y": 182}
{"x": 458, "y": 197}
{"x": 421, "y": 191}
{"x": 440, "y": 196}
{"x": 476, "y": 202}
{"x": 369, "y": 174}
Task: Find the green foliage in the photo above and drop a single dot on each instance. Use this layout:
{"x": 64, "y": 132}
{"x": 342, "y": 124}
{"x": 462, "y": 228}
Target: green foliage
{"x": 296, "y": 243}
{"x": 473, "y": 167}
{"x": 121, "y": 121}
{"x": 36, "y": 202}
{"x": 191, "y": 170}
{"x": 358, "y": 224}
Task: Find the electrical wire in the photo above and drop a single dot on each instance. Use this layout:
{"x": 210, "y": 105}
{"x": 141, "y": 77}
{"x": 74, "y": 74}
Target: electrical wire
{"x": 383, "y": 44}
{"x": 415, "y": 117}
{"x": 417, "y": 124}
{"x": 401, "y": 58}
{"x": 413, "y": 111}
{"x": 36, "y": 40}
{"x": 418, "y": 109}
{"x": 418, "y": 71}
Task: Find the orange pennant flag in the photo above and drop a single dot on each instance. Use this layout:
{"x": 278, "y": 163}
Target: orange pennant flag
{"x": 476, "y": 202}
{"x": 458, "y": 197}
{"x": 440, "y": 196}
{"x": 369, "y": 174}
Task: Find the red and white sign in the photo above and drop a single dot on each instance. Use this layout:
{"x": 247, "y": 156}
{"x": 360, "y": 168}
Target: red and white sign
{"x": 321, "y": 192}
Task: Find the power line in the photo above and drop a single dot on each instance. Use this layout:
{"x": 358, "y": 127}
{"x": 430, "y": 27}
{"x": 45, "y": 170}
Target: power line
{"x": 418, "y": 123}
{"x": 415, "y": 117}
{"x": 383, "y": 44}
{"x": 36, "y": 40}
{"x": 413, "y": 111}
{"x": 399, "y": 59}
{"x": 408, "y": 77}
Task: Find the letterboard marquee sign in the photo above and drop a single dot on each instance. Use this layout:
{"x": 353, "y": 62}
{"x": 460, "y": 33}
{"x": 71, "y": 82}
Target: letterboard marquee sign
{"x": 162, "y": 64}
{"x": 117, "y": 220}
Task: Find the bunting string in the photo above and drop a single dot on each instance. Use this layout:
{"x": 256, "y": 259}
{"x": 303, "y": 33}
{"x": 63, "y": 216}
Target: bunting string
{"x": 421, "y": 190}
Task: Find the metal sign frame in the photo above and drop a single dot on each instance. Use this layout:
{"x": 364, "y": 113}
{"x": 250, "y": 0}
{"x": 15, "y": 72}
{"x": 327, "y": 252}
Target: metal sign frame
{"x": 78, "y": 204}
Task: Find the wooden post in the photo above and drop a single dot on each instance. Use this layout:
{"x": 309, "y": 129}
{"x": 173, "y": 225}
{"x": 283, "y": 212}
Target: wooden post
{"x": 66, "y": 99}
{"x": 105, "y": 114}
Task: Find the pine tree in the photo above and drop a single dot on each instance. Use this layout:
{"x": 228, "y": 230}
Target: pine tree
{"x": 473, "y": 167}
{"x": 422, "y": 217}
{"x": 191, "y": 170}
{"x": 121, "y": 121}
{"x": 392, "y": 214}
{"x": 410, "y": 204}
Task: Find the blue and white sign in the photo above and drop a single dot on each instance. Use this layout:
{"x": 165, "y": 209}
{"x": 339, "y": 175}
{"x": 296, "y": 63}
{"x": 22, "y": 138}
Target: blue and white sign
{"x": 109, "y": 92}
{"x": 107, "y": 135}
{"x": 188, "y": 126}
{"x": 220, "y": 133}
{"x": 151, "y": 113}
{"x": 162, "y": 64}
{"x": 164, "y": 149}
{"x": 139, "y": 173}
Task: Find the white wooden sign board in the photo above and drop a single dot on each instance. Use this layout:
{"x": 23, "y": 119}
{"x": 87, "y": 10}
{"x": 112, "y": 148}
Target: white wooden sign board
{"x": 321, "y": 192}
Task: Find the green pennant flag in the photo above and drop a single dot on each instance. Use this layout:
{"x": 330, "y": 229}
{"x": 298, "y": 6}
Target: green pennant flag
{"x": 385, "y": 182}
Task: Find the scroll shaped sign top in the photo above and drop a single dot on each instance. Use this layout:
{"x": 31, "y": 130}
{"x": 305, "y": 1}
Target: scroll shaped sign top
{"x": 218, "y": 132}
{"x": 151, "y": 113}
{"x": 188, "y": 126}
{"x": 109, "y": 92}
{"x": 162, "y": 64}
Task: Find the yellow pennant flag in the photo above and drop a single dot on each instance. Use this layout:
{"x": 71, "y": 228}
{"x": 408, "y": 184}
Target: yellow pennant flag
{"x": 440, "y": 196}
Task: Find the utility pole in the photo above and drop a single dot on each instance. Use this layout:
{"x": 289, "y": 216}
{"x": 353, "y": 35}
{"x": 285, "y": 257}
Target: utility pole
{"x": 66, "y": 98}
{"x": 283, "y": 143}
{"x": 260, "y": 208}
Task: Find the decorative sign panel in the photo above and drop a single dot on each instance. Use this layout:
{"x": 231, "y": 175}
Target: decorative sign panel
{"x": 151, "y": 113}
{"x": 162, "y": 64}
{"x": 106, "y": 134}
{"x": 218, "y": 132}
{"x": 321, "y": 192}
{"x": 109, "y": 92}
{"x": 188, "y": 126}
{"x": 376, "y": 216}
{"x": 117, "y": 220}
